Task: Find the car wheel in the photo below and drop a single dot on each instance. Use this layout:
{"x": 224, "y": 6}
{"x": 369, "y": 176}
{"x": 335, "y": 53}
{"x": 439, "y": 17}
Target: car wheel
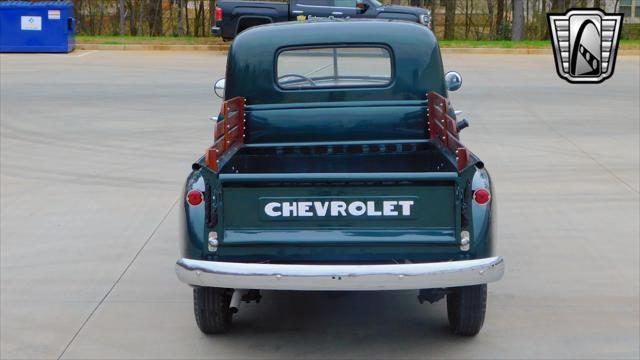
{"x": 211, "y": 307}
{"x": 466, "y": 307}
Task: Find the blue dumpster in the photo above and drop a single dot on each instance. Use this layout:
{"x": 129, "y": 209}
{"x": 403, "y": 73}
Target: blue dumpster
{"x": 37, "y": 27}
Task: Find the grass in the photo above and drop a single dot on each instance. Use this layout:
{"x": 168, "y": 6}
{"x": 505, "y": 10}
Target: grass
{"x": 530, "y": 44}
{"x": 153, "y": 40}
{"x": 190, "y": 40}
{"x": 495, "y": 43}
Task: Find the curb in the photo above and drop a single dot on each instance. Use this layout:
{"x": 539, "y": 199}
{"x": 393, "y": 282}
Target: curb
{"x": 497, "y": 51}
{"x": 153, "y": 47}
{"x": 225, "y": 47}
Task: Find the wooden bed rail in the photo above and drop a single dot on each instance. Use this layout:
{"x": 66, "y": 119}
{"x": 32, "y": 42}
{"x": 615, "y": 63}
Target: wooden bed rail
{"x": 443, "y": 129}
{"x": 228, "y": 132}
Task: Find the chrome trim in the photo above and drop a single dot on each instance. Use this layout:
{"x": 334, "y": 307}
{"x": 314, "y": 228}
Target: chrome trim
{"x": 218, "y": 87}
{"x": 339, "y": 277}
{"x": 453, "y": 80}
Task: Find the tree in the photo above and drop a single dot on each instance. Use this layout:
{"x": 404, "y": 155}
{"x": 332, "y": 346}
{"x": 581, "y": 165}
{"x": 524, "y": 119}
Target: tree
{"x": 180, "y": 19}
{"x": 558, "y": 5}
{"x": 490, "y": 5}
{"x": 140, "y": 17}
{"x": 199, "y": 20}
{"x": 121, "y": 10}
{"x": 133, "y": 23}
{"x": 203, "y": 21}
{"x": 449, "y": 19}
{"x": 517, "y": 29}
{"x": 154, "y": 18}
{"x": 499, "y": 19}
{"x": 468, "y": 9}
{"x": 186, "y": 15}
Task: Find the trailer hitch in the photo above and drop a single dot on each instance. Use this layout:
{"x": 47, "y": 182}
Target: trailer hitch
{"x": 431, "y": 295}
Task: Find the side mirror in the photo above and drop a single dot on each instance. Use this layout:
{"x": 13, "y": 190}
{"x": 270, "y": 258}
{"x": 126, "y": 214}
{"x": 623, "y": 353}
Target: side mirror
{"x": 453, "y": 80}
{"x": 218, "y": 88}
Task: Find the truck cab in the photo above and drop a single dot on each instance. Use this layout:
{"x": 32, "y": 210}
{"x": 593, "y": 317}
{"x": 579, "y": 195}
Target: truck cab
{"x": 337, "y": 165}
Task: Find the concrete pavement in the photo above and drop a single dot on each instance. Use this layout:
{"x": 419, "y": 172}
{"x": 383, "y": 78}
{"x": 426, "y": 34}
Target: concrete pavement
{"x": 94, "y": 147}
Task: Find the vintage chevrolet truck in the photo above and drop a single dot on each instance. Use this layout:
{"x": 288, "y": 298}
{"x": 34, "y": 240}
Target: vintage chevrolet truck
{"x": 336, "y": 165}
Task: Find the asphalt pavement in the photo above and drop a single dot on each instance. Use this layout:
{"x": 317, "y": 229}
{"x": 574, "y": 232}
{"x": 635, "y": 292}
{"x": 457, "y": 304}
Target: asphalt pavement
{"x": 94, "y": 149}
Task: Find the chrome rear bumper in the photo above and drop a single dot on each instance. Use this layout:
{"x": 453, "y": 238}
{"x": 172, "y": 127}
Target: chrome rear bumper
{"x": 339, "y": 277}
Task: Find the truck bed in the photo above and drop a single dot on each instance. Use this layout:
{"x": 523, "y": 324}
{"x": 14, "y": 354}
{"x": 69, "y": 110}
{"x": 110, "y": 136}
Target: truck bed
{"x": 339, "y": 158}
{"x": 319, "y": 192}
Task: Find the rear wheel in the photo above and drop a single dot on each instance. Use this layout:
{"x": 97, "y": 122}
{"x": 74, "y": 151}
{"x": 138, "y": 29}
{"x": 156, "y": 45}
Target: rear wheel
{"x": 211, "y": 307}
{"x": 466, "y": 307}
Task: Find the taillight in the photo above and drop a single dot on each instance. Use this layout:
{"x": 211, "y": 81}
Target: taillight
{"x": 218, "y": 13}
{"x": 194, "y": 197}
{"x": 481, "y": 196}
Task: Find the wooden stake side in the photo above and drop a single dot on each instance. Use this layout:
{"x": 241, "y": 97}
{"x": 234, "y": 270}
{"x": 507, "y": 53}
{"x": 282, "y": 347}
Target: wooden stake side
{"x": 228, "y": 132}
{"x": 443, "y": 129}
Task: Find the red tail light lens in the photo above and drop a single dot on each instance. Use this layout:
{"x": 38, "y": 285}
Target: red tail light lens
{"x": 218, "y": 13}
{"x": 481, "y": 196}
{"x": 195, "y": 197}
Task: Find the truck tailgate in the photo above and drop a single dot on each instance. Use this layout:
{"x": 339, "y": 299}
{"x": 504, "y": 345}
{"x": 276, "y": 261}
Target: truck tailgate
{"x": 340, "y": 212}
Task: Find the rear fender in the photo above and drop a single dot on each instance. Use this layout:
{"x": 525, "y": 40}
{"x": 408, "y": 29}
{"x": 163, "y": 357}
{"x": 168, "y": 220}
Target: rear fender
{"x": 482, "y": 216}
{"x": 192, "y": 220}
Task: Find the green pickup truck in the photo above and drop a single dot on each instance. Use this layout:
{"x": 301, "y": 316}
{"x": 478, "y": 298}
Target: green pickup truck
{"x": 336, "y": 165}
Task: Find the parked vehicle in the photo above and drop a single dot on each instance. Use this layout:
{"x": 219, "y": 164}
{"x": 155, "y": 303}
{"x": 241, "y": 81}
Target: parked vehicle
{"x": 336, "y": 164}
{"x": 233, "y": 17}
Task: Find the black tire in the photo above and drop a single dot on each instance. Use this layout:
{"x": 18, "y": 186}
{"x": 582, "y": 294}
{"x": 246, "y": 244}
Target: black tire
{"x": 466, "y": 307}
{"x": 211, "y": 307}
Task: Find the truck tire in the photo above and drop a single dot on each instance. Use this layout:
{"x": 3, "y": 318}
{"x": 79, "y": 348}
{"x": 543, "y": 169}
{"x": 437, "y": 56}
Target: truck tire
{"x": 211, "y": 307}
{"x": 466, "y": 307}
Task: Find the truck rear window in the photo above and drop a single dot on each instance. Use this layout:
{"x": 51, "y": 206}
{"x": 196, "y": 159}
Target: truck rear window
{"x": 334, "y": 67}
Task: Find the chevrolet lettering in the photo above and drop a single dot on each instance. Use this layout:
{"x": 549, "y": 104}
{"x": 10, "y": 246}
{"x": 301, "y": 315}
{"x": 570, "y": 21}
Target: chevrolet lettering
{"x": 336, "y": 164}
{"x": 395, "y": 208}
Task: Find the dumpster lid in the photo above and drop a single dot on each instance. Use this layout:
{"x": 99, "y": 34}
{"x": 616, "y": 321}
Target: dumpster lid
{"x": 43, "y": 4}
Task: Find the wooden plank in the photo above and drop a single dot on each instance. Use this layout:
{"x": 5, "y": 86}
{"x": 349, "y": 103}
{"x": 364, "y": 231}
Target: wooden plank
{"x": 443, "y": 129}
{"x": 228, "y": 132}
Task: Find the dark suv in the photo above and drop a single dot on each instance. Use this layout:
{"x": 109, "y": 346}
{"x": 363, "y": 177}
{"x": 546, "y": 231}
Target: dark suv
{"x": 232, "y": 17}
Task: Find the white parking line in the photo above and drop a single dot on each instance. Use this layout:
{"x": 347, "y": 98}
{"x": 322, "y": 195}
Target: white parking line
{"x": 87, "y": 53}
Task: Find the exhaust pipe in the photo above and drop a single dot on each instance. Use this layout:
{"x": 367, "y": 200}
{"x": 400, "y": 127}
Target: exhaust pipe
{"x": 235, "y": 300}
